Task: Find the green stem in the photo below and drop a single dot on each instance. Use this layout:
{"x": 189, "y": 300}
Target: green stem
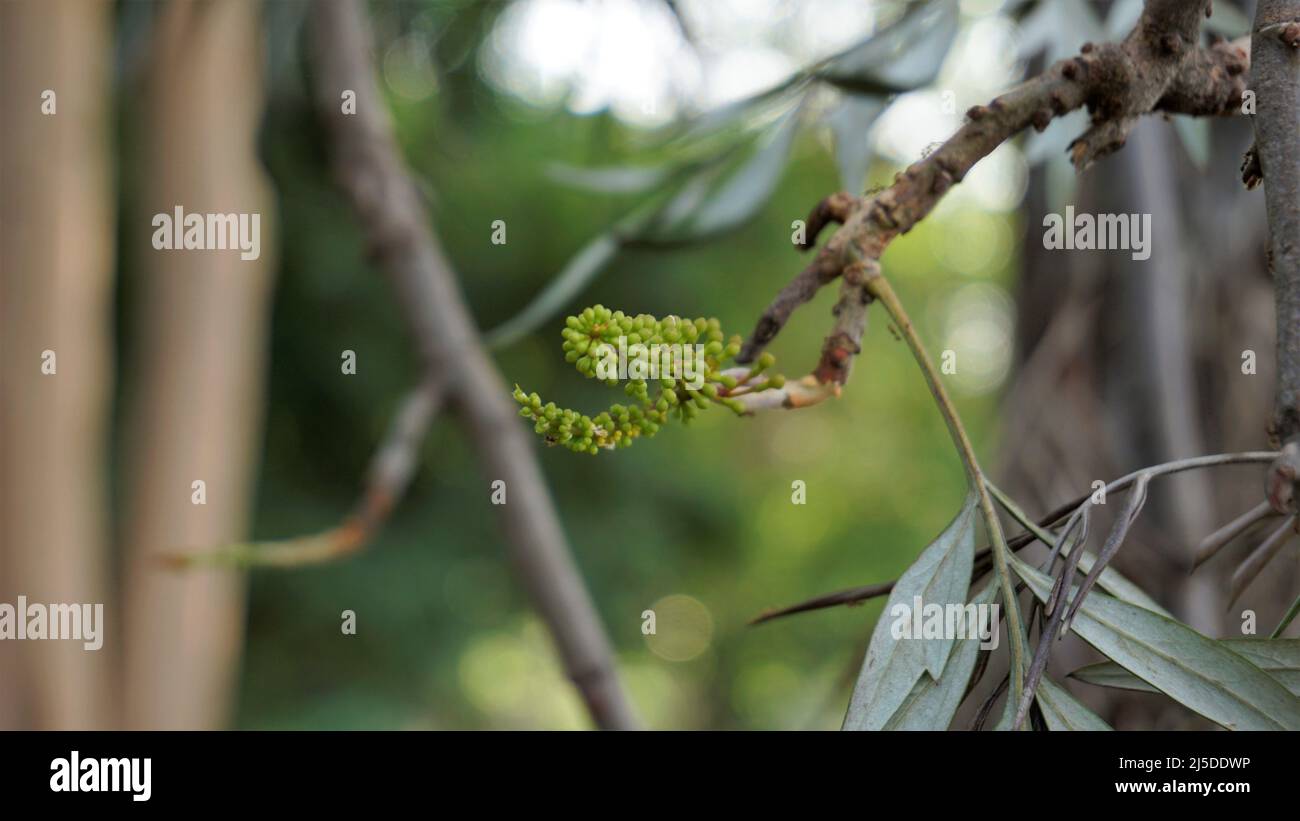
{"x": 1287, "y": 619}
{"x": 880, "y": 288}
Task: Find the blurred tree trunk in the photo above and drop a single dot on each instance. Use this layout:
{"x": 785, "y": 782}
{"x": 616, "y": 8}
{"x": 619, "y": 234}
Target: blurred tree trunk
{"x": 57, "y": 240}
{"x": 1124, "y": 363}
{"x": 199, "y": 365}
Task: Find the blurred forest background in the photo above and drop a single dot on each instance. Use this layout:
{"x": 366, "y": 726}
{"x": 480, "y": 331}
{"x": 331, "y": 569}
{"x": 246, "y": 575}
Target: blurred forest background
{"x": 1071, "y": 367}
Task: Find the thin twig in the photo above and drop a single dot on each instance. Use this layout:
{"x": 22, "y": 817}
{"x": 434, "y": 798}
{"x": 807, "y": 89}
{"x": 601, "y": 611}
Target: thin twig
{"x": 391, "y": 469}
{"x": 1212, "y": 544}
{"x": 1260, "y": 556}
{"x": 880, "y": 288}
{"x": 1137, "y": 497}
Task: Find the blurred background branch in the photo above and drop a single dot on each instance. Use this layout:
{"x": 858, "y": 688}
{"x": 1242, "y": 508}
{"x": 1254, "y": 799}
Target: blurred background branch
{"x": 370, "y": 169}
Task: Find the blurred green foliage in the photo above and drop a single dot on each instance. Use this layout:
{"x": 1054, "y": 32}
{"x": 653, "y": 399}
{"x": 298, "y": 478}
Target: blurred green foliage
{"x": 445, "y": 636}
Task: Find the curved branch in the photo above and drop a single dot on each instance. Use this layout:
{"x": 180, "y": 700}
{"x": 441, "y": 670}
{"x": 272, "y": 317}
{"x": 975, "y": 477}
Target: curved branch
{"x": 1156, "y": 68}
{"x": 391, "y": 469}
{"x": 371, "y": 171}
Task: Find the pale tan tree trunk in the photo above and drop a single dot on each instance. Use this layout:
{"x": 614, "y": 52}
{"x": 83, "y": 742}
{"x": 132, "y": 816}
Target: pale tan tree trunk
{"x": 199, "y": 361}
{"x": 56, "y": 258}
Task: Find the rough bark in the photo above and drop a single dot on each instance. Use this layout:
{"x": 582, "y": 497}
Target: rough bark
{"x": 1275, "y": 78}
{"x": 1159, "y": 62}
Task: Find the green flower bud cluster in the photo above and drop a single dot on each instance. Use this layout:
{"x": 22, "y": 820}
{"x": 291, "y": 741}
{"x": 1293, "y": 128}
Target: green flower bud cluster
{"x": 598, "y": 334}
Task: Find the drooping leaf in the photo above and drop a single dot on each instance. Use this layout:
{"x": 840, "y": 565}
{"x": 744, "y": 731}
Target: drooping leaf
{"x": 1110, "y": 674}
{"x": 1137, "y": 495}
{"x": 610, "y": 179}
{"x": 577, "y": 273}
{"x": 1110, "y": 579}
{"x": 933, "y": 702}
{"x": 939, "y": 576}
{"x": 583, "y": 267}
{"x": 902, "y": 57}
{"x": 718, "y": 200}
{"x": 1198, "y": 672}
{"x": 1063, "y": 711}
{"x": 1287, "y": 618}
{"x": 851, "y": 123}
{"x": 1263, "y": 553}
{"x": 739, "y": 115}
{"x": 1280, "y": 658}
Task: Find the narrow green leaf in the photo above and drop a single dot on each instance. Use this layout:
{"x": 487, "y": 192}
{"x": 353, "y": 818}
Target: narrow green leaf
{"x": 612, "y": 179}
{"x": 939, "y": 576}
{"x": 738, "y": 116}
{"x": 1288, "y": 618}
{"x": 933, "y": 702}
{"x": 902, "y": 57}
{"x": 1110, "y": 579}
{"x": 1198, "y": 672}
{"x": 850, "y": 124}
{"x": 1280, "y": 658}
{"x": 1110, "y": 674}
{"x": 1063, "y": 711}
{"x": 703, "y": 209}
{"x": 580, "y": 270}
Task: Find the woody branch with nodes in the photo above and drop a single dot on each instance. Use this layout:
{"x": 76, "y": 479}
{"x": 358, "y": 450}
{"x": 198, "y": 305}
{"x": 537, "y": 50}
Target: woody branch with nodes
{"x": 1157, "y": 68}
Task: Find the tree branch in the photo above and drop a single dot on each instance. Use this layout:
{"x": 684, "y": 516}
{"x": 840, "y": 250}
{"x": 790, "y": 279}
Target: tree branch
{"x": 1275, "y": 78}
{"x": 391, "y": 469}
{"x": 370, "y": 169}
{"x": 1157, "y": 67}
